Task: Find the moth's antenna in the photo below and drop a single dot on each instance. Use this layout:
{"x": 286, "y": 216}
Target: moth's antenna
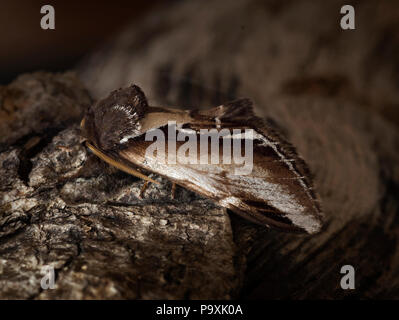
{"x": 118, "y": 165}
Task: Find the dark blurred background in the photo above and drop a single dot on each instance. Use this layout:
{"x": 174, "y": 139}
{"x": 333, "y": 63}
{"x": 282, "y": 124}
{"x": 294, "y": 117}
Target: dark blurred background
{"x": 80, "y": 26}
{"x": 84, "y": 26}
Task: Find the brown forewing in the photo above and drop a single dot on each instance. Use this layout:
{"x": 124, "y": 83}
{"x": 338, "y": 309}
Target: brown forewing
{"x": 277, "y": 193}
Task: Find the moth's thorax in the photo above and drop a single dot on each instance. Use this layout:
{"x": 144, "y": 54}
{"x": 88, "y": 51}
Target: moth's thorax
{"x": 110, "y": 121}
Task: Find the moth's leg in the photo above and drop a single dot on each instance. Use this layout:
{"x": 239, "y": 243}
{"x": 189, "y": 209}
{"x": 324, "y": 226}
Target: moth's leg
{"x": 144, "y": 188}
{"x": 173, "y": 191}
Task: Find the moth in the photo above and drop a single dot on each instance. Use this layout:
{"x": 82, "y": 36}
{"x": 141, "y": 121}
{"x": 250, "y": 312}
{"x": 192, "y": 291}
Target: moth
{"x": 278, "y": 192}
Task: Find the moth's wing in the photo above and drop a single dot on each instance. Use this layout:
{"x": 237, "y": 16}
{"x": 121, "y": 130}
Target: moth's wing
{"x": 283, "y": 152}
{"x": 275, "y": 193}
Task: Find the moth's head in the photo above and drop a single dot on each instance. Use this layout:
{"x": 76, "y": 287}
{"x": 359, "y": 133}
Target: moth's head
{"x": 110, "y": 122}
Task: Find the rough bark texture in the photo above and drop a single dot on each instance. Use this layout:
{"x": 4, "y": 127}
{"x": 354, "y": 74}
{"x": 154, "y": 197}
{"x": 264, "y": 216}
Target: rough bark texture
{"x": 32, "y": 105}
{"x": 327, "y": 90}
